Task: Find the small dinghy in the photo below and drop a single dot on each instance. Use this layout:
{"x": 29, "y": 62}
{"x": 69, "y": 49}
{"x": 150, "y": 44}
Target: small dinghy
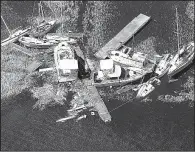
{"x": 163, "y": 66}
{"x": 182, "y": 59}
{"x": 35, "y": 43}
{"x": 42, "y": 28}
{"x": 147, "y": 87}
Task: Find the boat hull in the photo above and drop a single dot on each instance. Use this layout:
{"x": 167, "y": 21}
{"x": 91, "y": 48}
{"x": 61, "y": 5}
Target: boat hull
{"x": 181, "y": 67}
{"x": 37, "y": 46}
{"x": 163, "y": 73}
{"x": 139, "y": 95}
{"x": 116, "y": 82}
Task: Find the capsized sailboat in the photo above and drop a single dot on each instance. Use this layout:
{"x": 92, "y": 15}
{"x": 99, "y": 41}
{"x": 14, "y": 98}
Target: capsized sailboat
{"x": 13, "y": 37}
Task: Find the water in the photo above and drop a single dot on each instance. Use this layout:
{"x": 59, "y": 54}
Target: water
{"x": 135, "y": 126}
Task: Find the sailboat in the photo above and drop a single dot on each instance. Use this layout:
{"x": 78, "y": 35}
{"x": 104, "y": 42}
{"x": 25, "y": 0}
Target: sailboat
{"x": 183, "y": 58}
{"x": 44, "y": 27}
{"x": 163, "y": 65}
{"x": 147, "y": 87}
{"x": 13, "y": 37}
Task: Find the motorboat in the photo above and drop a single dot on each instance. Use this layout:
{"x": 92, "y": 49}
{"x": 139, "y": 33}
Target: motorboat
{"x": 66, "y": 62}
{"x": 133, "y": 59}
{"x": 110, "y": 74}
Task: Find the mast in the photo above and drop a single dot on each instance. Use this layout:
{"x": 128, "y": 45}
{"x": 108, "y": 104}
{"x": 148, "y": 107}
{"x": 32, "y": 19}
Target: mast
{"x": 61, "y": 16}
{"x": 177, "y": 30}
{"x": 6, "y": 25}
{"x": 41, "y": 7}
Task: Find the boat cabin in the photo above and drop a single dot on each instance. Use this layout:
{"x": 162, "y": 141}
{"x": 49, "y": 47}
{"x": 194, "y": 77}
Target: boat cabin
{"x": 108, "y": 70}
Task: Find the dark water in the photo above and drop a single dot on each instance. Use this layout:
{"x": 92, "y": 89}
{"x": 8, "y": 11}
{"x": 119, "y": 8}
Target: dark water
{"x": 135, "y": 126}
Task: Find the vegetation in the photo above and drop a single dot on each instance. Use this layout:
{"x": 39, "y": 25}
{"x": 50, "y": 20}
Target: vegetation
{"x": 190, "y": 10}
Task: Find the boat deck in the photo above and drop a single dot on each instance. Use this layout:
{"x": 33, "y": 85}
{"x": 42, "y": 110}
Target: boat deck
{"x": 123, "y": 36}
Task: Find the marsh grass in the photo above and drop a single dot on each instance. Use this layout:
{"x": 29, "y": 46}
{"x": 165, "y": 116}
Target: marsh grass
{"x": 13, "y": 69}
{"x": 47, "y": 95}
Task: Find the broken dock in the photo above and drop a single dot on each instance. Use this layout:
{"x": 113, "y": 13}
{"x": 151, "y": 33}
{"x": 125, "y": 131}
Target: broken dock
{"x": 123, "y": 36}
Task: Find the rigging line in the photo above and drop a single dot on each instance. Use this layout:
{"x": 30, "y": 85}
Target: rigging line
{"x": 33, "y": 9}
{"x": 6, "y": 25}
{"x": 119, "y": 106}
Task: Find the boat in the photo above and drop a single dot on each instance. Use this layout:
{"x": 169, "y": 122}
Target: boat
{"x": 57, "y": 39}
{"x": 43, "y": 28}
{"x": 111, "y": 74}
{"x": 13, "y": 37}
{"x": 133, "y": 59}
{"x": 65, "y": 62}
{"x": 163, "y": 65}
{"x": 35, "y": 43}
{"x": 147, "y": 87}
{"x": 184, "y": 56}
{"x": 182, "y": 59}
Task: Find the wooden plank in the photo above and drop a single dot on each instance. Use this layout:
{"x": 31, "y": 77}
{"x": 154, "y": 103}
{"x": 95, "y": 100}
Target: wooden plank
{"x": 123, "y": 36}
{"x": 22, "y": 49}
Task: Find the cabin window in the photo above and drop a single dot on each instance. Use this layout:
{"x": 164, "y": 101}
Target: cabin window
{"x": 126, "y": 50}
